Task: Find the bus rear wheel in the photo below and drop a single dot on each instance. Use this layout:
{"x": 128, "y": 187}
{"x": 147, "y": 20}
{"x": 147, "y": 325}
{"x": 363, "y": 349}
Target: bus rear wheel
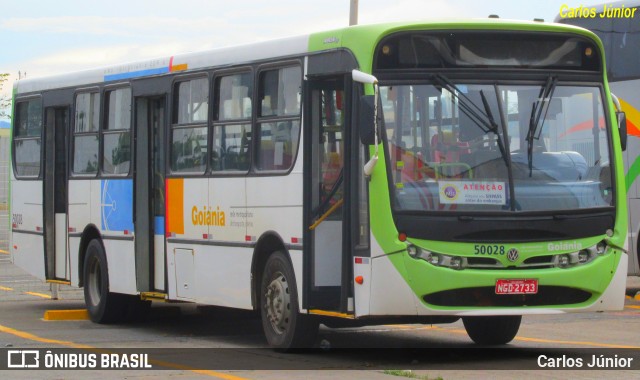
{"x": 284, "y": 327}
{"x": 103, "y": 306}
{"x": 493, "y": 330}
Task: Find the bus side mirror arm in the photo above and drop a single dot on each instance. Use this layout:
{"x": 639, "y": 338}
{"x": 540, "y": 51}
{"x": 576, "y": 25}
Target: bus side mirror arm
{"x": 365, "y": 120}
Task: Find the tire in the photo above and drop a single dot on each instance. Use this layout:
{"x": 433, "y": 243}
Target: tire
{"x": 284, "y": 327}
{"x": 494, "y": 330}
{"x": 103, "y": 306}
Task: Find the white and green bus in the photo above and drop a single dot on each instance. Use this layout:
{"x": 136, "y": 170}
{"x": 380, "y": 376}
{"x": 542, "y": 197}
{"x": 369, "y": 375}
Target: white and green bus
{"x": 396, "y": 173}
{"x": 618, "y": 26}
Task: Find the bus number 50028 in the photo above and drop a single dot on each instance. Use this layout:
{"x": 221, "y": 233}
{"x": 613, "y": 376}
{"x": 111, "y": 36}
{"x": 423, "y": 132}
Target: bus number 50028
{"x": 488, "y": 249}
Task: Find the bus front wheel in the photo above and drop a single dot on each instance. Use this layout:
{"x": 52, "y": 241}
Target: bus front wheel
{"x": 493, "y": 330}
{"x": 284, "y": 327}
{"x": 103, "y": 306}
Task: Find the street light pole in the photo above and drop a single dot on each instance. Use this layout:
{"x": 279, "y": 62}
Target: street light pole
{"x": 353, "y": 13}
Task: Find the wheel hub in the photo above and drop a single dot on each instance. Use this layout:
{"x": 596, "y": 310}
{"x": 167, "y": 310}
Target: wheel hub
{"x": 278, "y": 304}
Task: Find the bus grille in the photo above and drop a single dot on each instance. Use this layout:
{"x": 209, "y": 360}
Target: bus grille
{"x": 485, "y": 296}
{"x": 538, "y": 262}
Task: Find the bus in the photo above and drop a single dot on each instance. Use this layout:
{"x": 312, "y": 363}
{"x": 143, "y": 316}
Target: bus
{"x": 619, "y": 31}
{"x": 377, "y": 174}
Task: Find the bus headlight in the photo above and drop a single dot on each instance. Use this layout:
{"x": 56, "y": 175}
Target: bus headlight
{"x": 455, "y": 262}
{"x": 563, "y": 261}
{"x": 584, "y": 256}
{"x": 436, "y": 259}
{"x": 412, "y": 250}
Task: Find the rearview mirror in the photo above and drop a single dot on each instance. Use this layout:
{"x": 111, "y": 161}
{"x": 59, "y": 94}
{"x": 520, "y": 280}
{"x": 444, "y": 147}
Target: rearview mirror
{"x": 622, "y": 128}
{"x": 622, "y": 122}
{"x": 366, "y": 121}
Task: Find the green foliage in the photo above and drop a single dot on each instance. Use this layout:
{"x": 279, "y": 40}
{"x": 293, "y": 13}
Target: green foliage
{"x": 5, "y": 101}
{"x": 409, "y": 374}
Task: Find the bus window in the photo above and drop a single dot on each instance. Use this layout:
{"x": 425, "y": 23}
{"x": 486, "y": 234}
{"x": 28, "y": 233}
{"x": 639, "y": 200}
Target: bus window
{"x": 191, "y": 99}
{"x": 625, "y": 43}
{"x": 189, "y": 132}
{"x": 280, "y": 96}
{"x": 232, "y": 132}
{"x": 117, "y": 132}
{"x": 27, "y": 137}
{"x": 332, "y": 140}
{"x": 189, "y": 149}
{"x": 234, "y": 96}
{"x": 85, "y": 140}
{"x": 230, "y": 151}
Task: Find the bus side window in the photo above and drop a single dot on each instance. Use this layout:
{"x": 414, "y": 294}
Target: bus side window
{"x": 280, "y": 99}
{"x": 189, "y": 130}
{"x": 333, "y": 145}
{"x": 116, "y": 135}
{"x": 27, "y": 138}
{"x": 232, "y": 128}
{"x": 85, "y": 139}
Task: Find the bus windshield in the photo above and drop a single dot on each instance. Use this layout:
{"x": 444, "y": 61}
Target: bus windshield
{"x": 497, "y": 148}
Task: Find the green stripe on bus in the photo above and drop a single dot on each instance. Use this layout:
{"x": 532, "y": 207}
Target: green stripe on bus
{"x": 632, "y": 174}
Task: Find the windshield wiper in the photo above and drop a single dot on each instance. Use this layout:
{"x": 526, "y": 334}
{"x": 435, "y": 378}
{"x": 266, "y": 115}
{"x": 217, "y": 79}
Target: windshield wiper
{"x": 468, "y": 106}
{"x": 481, "y": 118}
{"x": 492, "y": 121}
{"x": 540, "y": 107}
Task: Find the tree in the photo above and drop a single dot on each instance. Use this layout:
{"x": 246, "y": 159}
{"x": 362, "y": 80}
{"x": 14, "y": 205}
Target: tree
{"x": 5, "y": 102}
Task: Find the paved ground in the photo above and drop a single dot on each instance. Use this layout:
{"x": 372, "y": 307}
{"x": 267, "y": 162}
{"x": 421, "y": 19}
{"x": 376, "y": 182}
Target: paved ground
{"x": 237, "y": 341}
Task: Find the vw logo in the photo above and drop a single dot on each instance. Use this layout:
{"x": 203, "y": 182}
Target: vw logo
{"x": 513, "y": 254}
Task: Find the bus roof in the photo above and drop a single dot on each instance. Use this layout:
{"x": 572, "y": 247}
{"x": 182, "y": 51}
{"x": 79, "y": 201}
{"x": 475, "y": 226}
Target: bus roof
{"x": 360, "y": 39}
{"x": 177, "y": 63}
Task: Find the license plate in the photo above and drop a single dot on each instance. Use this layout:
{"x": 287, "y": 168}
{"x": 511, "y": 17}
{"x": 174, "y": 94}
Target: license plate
{"x": 526, "y": 286}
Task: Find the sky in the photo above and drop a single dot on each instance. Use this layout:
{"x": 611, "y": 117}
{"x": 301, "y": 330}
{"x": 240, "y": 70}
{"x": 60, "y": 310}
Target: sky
{"x": 42, "y": 37}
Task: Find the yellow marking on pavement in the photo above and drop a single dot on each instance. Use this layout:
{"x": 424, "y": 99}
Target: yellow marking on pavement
{"x": 632, "y": 307}
{"x": 66, "y": 315}
{"x": 38, "y": 295}
{"x": 66, "y": 343}
{"x": 5, "y": 288}
{"x": 29, "y": 336}
{"x": 4, "y": 252}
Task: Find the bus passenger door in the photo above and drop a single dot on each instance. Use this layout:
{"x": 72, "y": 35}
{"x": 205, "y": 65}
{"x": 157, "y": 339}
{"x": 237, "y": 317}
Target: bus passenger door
{"x": 327, "y": 223}
{"x": 149, "y": 174}
{"x": 55, "y": 194}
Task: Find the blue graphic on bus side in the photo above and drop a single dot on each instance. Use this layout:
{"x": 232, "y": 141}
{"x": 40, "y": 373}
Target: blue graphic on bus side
{"x": 159, "y": 225}
{"x": 117, "y": 204}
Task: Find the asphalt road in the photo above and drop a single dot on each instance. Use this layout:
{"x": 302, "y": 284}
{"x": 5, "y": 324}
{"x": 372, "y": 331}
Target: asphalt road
{"x": 186, "y": 341}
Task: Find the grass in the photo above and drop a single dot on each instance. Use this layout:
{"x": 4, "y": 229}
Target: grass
{"x": 408, "y": 374}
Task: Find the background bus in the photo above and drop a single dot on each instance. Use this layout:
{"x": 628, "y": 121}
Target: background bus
{"x": 621, "y": 39}
{"x": 235, "y": 177}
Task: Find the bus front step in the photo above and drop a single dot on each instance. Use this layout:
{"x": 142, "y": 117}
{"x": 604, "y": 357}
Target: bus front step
{"x": 153, "y": 296}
